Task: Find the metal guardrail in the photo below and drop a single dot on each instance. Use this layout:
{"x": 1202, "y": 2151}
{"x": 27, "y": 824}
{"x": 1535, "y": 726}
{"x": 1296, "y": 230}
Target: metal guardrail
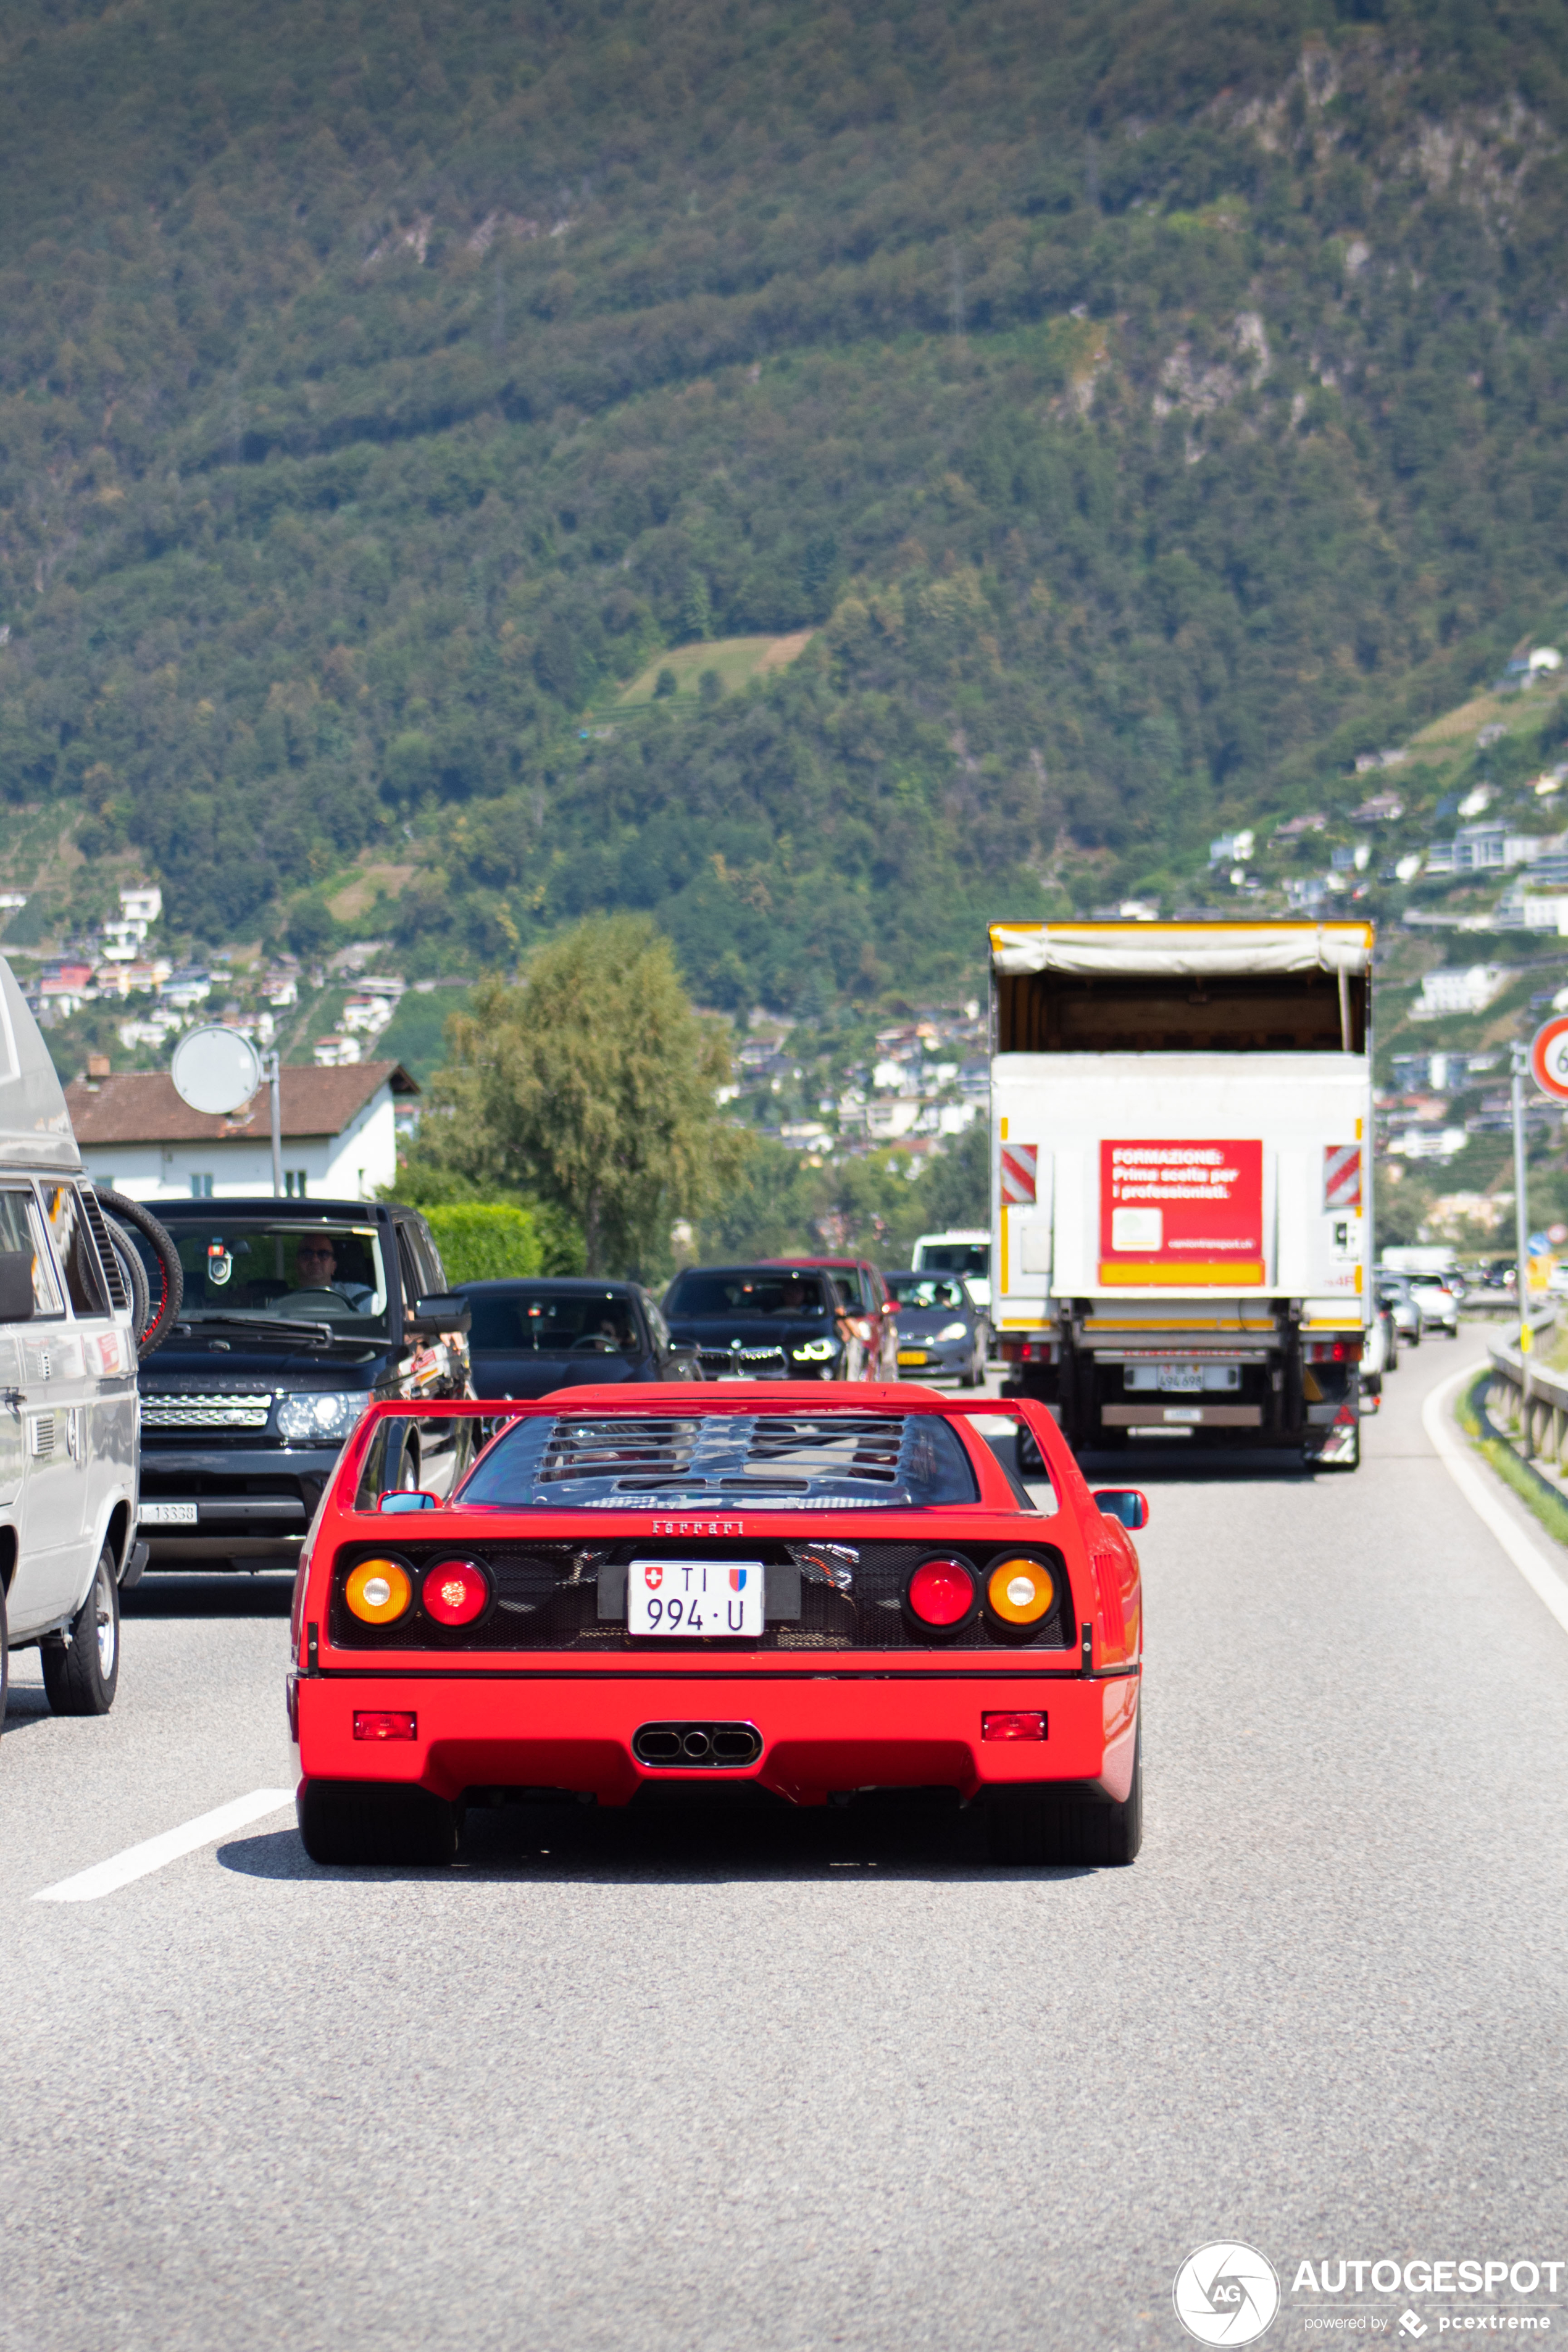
{"x": 1524, "y": 1394}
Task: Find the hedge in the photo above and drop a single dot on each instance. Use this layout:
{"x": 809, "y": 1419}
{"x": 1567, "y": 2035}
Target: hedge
{"x": 481, "y": 1240}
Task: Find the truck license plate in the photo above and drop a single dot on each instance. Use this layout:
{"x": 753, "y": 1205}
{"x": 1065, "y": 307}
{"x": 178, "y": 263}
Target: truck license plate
{"x": 695, "y": 1596}
{"x": 166, "y": 1515}
{"x": 1182, "y": 1379}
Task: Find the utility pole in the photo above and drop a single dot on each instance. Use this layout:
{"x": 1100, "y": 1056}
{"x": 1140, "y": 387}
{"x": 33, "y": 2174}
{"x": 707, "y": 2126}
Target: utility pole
{"x": 271, "y": 1072}
{"x": 1520, "y": 1062}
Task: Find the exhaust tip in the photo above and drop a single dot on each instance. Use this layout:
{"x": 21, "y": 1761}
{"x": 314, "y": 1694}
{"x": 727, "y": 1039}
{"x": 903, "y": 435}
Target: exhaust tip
{"x": 701, "y": 1746}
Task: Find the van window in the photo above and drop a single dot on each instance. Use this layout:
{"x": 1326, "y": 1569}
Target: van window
{"x": 21, "y": 1228}
{"x": 74, "y": 1249}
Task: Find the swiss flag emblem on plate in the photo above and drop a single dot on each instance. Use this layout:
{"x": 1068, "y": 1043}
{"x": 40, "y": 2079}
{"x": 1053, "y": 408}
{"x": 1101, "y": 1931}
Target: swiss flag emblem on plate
{"x": 652, "y": 1575}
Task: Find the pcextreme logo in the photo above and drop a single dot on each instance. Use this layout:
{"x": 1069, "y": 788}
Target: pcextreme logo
{"x": 1225, "y": 2294}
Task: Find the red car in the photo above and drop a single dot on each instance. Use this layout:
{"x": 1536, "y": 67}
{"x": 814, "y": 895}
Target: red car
{"x": 744, "y": 1583}
{"x": 867, "y": 1320}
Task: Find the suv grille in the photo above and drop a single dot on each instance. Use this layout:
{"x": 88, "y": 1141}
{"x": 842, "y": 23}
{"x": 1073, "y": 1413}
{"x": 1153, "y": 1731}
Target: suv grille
{"x": 547, "y": 1598}
{"x": 729, "y": 1360}
{"x": 205, "y": 1411}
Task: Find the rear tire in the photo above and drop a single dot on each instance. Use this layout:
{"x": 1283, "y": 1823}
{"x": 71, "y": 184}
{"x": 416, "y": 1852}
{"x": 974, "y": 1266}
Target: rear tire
{"x": 358, "y": 1821}
{"x": 5, "y": 1659}
{"x": 1043, "y": 1826}
{"x": 81, "y": 1674}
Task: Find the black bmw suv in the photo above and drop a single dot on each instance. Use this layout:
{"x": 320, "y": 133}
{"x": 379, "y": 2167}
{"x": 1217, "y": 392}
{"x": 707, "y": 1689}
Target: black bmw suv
{"x": 758, "y": 1322}
{"x": 297, "y": 1314}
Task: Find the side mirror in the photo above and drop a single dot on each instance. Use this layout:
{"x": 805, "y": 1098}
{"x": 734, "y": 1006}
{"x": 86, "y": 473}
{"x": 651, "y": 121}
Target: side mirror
{"x": 1124, "y": 1503}
{"x": 444, "y": 1311}
{"x": 401, "y": 1498}
{"x": 15, "y": 1286}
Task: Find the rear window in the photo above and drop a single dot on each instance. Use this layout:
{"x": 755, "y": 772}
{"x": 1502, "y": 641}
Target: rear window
{"x": 746, "y": 1291}
{"x": 956, "y": 1257}
{"x": 773, "y": 1462}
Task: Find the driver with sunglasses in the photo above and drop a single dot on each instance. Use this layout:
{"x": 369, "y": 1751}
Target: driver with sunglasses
{"x": 315, "y": 1267}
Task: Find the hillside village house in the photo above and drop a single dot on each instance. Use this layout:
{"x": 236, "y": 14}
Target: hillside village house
{"x": 1470, "y": 991}
{"x": 340, "y": 1135}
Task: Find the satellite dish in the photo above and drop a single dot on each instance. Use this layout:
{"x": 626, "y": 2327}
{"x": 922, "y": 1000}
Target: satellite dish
{"x": 215, "y": 1070}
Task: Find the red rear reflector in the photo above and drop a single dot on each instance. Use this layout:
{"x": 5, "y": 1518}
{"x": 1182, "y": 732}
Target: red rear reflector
{"x": 386, "y": 1722}
{"x": 941, "y": 1592}
{"x": 1024, "y": 1726}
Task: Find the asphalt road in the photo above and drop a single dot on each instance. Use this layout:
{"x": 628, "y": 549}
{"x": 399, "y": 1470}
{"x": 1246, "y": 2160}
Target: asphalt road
{"x": 621, "y": 2086}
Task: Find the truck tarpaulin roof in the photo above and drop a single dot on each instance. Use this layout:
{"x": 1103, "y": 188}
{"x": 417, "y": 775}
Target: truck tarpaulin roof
{"x": 1196, "y": 950}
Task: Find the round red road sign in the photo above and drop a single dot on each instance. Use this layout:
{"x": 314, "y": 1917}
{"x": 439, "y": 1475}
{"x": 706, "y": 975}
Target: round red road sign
{"x": 1549, "y": 1056}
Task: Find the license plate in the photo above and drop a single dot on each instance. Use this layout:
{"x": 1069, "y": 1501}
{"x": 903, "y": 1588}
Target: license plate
{"x": 695, "y": 1596}
{"x": 911, "y": 1355}
{"x": 1182, "y": 1379}
{"x": 166, "y": 1515}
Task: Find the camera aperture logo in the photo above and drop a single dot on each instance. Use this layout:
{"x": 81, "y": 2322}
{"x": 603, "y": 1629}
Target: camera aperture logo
{"x": 1225, "y": 2294}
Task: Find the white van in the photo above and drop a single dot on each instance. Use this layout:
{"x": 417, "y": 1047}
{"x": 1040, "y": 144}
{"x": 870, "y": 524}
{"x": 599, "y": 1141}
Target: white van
{"x": 69, "y": 1424}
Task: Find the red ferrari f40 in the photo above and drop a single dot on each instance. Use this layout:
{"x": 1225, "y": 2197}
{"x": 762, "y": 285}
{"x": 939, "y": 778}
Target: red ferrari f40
{"x": 823, "y": 1591}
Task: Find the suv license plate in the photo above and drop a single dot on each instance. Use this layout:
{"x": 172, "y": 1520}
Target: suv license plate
{"x": 695, "y": 1596}
{"x": 166, "y": 1515}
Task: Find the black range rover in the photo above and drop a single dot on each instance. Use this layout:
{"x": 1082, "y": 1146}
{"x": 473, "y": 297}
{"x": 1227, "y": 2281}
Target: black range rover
{"x": 296, "y": 1314}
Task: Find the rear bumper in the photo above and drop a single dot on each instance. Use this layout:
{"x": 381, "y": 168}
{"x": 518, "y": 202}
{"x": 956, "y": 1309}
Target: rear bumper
{"x": 821, "y": 1735}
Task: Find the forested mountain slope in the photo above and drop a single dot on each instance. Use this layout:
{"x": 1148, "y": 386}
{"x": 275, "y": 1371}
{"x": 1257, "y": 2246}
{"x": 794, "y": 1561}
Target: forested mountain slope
{"x": 1148, "y": 404}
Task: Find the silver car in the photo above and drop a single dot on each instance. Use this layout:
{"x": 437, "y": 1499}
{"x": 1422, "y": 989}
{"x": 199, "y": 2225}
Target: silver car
{"x": 941, "y": 1332}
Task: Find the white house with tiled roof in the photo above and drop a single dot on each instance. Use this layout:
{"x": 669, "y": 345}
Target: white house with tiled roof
{"x": 340, "y": 1136}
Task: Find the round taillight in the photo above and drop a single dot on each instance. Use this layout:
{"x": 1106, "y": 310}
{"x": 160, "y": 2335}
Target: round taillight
{"x": 378, "y": 1591}
{"x": 941, "y": 1592}
{"x": 1020, "y": 1592}
{"x": 455, "y": 1592}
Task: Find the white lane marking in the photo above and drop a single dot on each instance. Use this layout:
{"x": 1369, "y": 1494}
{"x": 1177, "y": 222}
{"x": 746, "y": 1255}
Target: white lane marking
{"x": 136, "y": 1861}
{"x": 1531, "y": 1562}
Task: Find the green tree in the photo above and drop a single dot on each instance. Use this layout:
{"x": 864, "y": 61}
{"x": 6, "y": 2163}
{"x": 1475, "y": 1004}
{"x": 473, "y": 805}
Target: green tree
{"x": 956, "y": 1189}
{"x": 592, "y": 1086}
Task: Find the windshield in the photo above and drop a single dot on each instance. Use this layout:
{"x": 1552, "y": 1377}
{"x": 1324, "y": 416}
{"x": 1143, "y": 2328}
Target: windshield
{"x": 553, "y": 1323}
{"x": 251, "y": 1269}
{"x": 775, "y": 1462}
{"x": 926, "y": 1290}
{"x": 956, "y": 1258}
{"x": 745, "y": 1290}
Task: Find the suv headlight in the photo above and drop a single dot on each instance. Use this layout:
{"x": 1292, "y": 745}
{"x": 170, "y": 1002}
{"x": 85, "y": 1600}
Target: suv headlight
{"x": 323, "y": 1415}
{"x": 953, "y": 1331}
{"x": 815, "y": 1351}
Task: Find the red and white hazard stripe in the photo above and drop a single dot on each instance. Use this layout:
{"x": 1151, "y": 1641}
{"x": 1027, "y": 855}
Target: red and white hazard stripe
{"x": 1341, "y": 1176}
{"x": 1019, "y": 1162}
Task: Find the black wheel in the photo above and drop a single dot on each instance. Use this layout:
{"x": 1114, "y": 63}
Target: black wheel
{"x": 169, "y": 1283}
{"x": 5, "y": 1658}
{"x": 974, "y": 1378}
{"x": 1042, "y": 1825}
{"x": 82, "y": 1672}
{"x": 366, "y": 1822}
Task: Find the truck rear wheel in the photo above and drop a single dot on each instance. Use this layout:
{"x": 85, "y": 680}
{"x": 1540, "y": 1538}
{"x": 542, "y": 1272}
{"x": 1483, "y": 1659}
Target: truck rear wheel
{"x": 82, "y": 1672}
{"x": 367, "y": 1821}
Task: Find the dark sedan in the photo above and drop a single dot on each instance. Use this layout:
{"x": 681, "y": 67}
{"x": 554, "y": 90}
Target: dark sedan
{"x": 758, "y": 1322}
{"x": 941, "y": 1332}
{"x": 529, "y": 1338}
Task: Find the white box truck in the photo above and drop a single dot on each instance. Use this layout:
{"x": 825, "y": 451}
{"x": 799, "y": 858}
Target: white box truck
{"x": 1182, "y": 1116}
